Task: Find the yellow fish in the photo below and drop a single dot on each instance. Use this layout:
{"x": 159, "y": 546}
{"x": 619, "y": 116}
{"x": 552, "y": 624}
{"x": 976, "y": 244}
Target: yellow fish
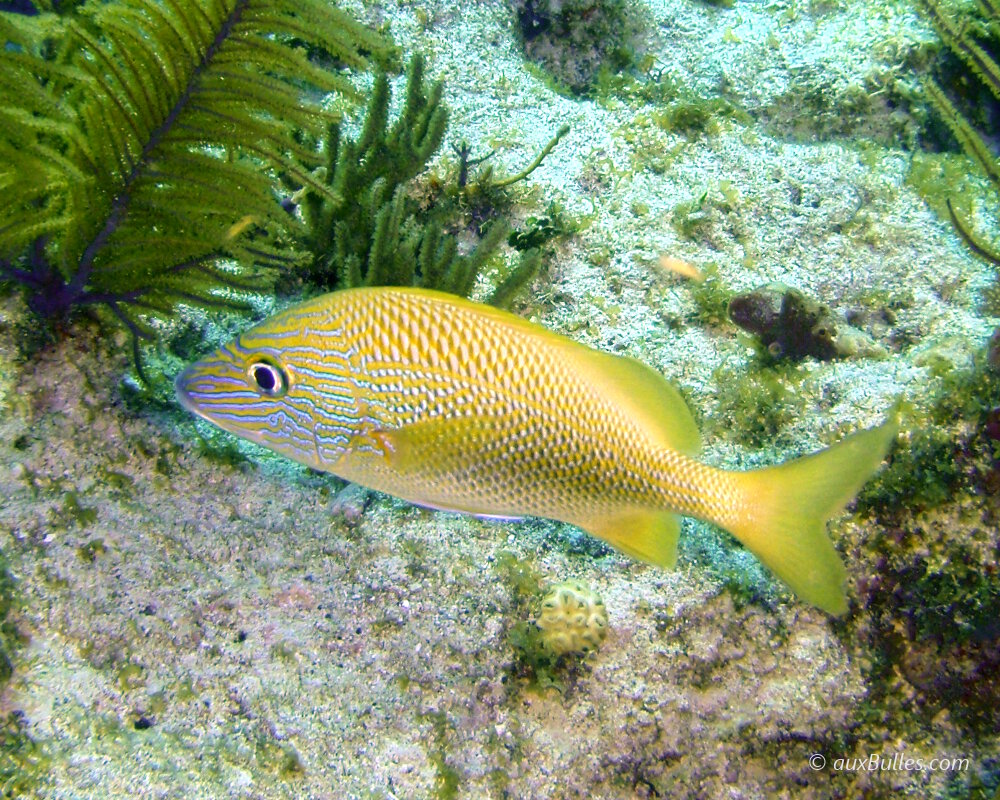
{"x": 459, "y": 406}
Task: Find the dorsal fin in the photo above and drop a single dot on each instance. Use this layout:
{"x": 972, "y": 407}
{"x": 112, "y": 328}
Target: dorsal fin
{"x": 649, "y": 398}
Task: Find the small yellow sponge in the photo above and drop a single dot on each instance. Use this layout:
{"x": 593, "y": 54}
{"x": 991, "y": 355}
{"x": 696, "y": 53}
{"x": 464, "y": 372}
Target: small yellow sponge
{"x": 573, "y": 619}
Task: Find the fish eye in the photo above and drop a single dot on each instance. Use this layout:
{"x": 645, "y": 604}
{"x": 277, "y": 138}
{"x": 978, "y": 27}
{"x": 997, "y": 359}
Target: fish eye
{"x": 269, "y": 378}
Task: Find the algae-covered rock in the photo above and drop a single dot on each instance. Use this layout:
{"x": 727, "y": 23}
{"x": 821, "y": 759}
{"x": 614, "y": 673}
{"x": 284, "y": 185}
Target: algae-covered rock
{"x": 792, "y": 326}
{"x": 574, "y": 39}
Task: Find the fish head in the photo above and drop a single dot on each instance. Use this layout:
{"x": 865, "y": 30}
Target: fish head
{"x": 276, "y": 390}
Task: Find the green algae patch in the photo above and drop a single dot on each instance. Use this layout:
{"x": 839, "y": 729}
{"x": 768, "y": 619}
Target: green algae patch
{"x": 74, "y": 512}
{"x": 24, "y": 762}
{"x": 704, "y": 116}
{"x": 520, "y": 576}
{"x": 90, "y": 551}
{"x": 10, "y": 639}
{"x": 447, "y": 779}
{"x": 754, "y": 407}
{"x": 533, "y": 661}
{"x": 579, "y": 42}
{"x": 278, "y": 758}
{"x": 550, "y": 630}
{"x": 951, "y": 446}
{"x": 131, "y": 677}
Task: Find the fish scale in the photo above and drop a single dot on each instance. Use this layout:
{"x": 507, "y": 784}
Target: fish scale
{"x": 459, "y": 406}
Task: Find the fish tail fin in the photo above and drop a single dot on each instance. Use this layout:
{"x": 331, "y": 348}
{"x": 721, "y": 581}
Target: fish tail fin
{"x": 786, "y": 508}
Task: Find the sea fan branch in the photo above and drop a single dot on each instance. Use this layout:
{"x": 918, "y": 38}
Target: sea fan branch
{"x": 173, "y": 119}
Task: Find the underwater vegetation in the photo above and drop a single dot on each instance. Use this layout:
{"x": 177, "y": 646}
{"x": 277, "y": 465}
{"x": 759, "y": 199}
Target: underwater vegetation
{"x": 165, "y": 154}
{"x": 952, "y": 445}
{"x": 753, "y": 409}
{"x": 575, "y": 41}
{"x": 554, "y": 626}
{"x": 931, "y": 591}
{"x": 367, "y": 229}
{"x": 787, "y": 327}
{"x": 138, "y": 145}
{"x": 934, "y": 604}
{"x": 968, "y": 35}
{"x": 9, "y": 637}
{"x": 360, "y": 230}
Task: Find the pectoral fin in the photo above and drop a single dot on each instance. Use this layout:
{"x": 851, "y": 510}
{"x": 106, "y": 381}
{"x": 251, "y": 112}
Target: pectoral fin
{"x": 649, "y": 536}
{"x": 411, "y": 448}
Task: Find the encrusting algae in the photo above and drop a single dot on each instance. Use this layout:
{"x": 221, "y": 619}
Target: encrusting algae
{"x": 459, "y": 406}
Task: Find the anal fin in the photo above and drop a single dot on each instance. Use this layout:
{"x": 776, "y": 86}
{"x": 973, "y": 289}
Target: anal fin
{"x": 649, "y": 536}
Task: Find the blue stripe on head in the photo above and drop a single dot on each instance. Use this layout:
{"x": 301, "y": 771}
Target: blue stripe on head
{"x": 277, "y": 390}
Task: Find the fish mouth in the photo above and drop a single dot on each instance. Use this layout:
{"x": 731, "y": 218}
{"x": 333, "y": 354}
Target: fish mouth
{"x": 204, "y": 385}
{"x": 201, "y": 384}
{"x": 182, "y": 385}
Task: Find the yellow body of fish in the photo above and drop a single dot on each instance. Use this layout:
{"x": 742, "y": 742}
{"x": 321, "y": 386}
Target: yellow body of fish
{"x": 456, "y": 405}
